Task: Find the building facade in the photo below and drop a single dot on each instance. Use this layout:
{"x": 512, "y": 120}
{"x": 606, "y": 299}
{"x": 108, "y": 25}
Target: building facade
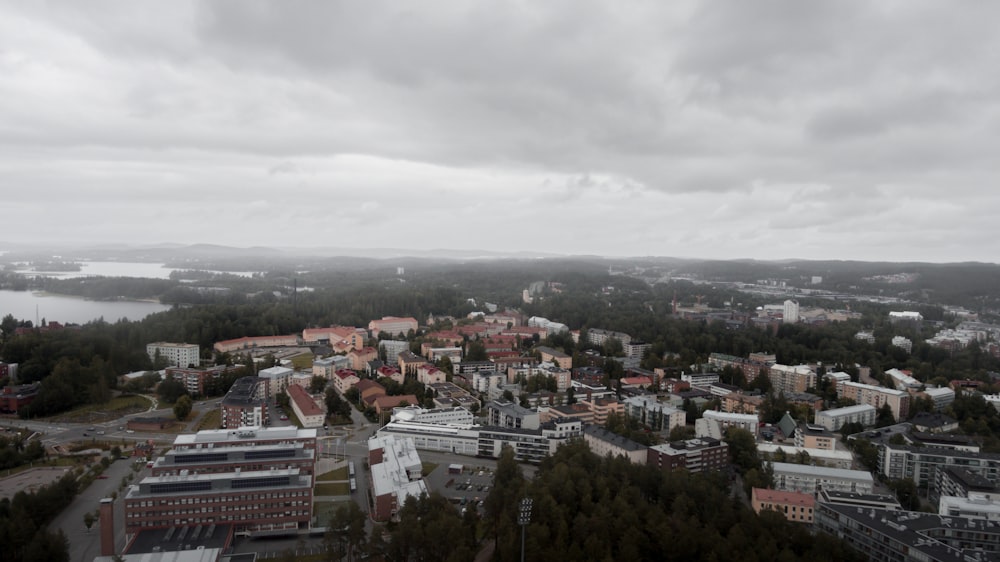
{"x": 175, "y": 354}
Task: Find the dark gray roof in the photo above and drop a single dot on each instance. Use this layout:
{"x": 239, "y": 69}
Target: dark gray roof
{"x": 599, "y": 432}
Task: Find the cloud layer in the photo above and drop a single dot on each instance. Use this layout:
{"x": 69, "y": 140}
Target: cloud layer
{"x": 770, "y": 129}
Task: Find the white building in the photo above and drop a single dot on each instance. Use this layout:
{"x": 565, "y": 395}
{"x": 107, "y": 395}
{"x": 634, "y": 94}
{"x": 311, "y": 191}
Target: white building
{"x": 700, "y": 379}
{"x": 393, "y": 348}
{"x": 749, "y": 422}
{"x": 548, "y": 325}
{"x": 790, "y": 312}
{"x": 978, "y": 504}
{"x": 836, "y": 418}
{"x": 941, "y": 396}
{"x": 177, "y": 354}
{"x": 277, "y": 378}
{"x": 396, "y": 474}
{"x": 657, "y": 415}
{"x": 902, "y": 379}
{"x": 445, "y": 416}
{"x": 810, "y": 479}
{"x": 865, "y": 336}
{"x": 902, "y": 343}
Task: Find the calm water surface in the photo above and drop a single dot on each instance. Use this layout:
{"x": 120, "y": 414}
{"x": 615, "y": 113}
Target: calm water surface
{"x": 72, "y": 310}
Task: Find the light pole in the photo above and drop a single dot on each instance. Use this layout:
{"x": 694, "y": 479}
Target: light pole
{"x": 523, "y": 518}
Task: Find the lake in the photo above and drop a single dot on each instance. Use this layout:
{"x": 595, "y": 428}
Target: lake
{"x": 107, "y": 269}
{"x": 72, "y": 310}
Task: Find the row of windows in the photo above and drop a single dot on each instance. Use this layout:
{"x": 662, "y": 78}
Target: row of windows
{"x": 220, "y": 499}
{"x": 221, "y": 519}
{"x": 264, "y": 509}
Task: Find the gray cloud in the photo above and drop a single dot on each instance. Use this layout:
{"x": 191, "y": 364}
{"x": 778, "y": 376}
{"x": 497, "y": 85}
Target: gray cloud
{"x": 728, "y": 129}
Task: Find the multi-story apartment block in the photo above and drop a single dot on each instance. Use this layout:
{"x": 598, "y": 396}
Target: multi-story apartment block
{"x": 815, "y": 437}
{"x": 811, "y": 479}
{"x": 602, "y": 408}
{"x": 790, "y": 312}
{"x": 702, "y": 454}
{"x": 327, "y": 366}
{"x": 739, "y": 403}
{"x": 888, "y": 534}
{"x": 196, "y": 380}
{"x": 550, "y": 355}
{"x": 501, "y": 413}
{"x": 359, "y": 358}
{"x": 656, "y": 415}
{"x": 278, "y": 379}
{"x": 245, "y": 404}
{"x": 409, "y": 362}
{"x": 789, "y": 378}
{"x": 429, "y": 374}
{"x": 924, "y": 464}
{"x": 392, "y": 326}
{"x": 175, "y": 354}
{"x": 749, "y": 422}
{"x": 834, "y": 419}
{"x": 898, "y": 401}
{"x": 344, "y": 380}
{"x": 597, "y": 336}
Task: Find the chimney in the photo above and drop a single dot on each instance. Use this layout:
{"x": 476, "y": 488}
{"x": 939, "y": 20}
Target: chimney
{"x": 107, "y": 523}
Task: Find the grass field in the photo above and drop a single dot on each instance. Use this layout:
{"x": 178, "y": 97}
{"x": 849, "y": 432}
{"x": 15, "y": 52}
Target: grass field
{"x": 303, "y": 362}
{"x": 110, "y": 410}
{"x": 323, "y": 510}
{"x": 427, "y": 468}
{"x": 336, "y": 474}
{"x": 333, "y": 489}
{"x": 211, "y": 420}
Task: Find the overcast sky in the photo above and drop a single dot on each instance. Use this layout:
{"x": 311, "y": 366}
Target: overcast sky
{"x": 854, "y": 130}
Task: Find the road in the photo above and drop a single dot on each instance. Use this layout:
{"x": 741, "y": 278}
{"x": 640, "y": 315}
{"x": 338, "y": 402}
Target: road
{"x": 84, "y": 544}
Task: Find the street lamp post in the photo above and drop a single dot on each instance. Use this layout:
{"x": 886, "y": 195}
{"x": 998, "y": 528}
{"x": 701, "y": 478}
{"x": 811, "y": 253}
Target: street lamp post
{"x": 523, "y": 518}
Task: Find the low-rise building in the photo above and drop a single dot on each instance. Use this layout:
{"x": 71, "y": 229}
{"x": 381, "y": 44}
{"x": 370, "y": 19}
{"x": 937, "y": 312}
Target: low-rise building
{"x": 15, "y": 397}
{"x": 605, "y": 443}
{"x": 550, "y": 355}
{"x": 446, "y": 416}
{"x": 794, "y": 506}
{"x": 393, "y": 326}
{"x": 834, "y": 419}
{"x": 306, "y": 409}
{"x": 396, "y": 474}
{"x": 815, "y": 437}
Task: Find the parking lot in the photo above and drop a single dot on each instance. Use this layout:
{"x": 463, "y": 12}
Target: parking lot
{"x": 465, "y": 489}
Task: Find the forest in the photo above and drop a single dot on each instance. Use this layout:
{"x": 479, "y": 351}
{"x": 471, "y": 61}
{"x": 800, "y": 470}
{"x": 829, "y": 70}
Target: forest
{"x": 584, "y": 507}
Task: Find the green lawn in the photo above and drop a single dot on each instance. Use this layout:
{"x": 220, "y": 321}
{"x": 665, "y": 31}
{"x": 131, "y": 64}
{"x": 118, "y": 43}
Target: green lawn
{"x": 323, "y": 510}
{"x": 427, "y": 468}
{"x": 110, "y": 410}
{"x": 333, "y": 489}
{"x": 336, "y": 474}
{"x": 211, "y": 420}
{"x": 303, "y": 362}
